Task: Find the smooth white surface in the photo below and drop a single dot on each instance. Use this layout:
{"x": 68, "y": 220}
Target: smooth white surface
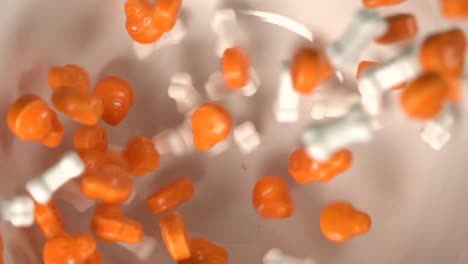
{"x": 246, "y": 137}
{"x": 276, "y": 256}
{"x": 181, "y": 89}
{"x": 436, "y": 133}
{"x": 286, "y": 106}
{"x": 227, "y": 29}
{"x": 19, "y": 211}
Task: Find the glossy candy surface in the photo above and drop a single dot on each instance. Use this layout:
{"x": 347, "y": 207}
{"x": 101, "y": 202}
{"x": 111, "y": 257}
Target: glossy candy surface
{"x": 271, "y": 198}
{"x": 211, "y": 124}
{"x": 170, "y": 196}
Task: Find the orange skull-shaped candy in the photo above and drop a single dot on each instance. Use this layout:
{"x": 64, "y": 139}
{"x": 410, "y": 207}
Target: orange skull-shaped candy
{"x": 68, "y": 249}
{"x": 69, "y": 76}
{"x": 165, "y": 13}
{"x": 271, "y": 198}
{"x": 309, "y": 68}
{"x": 175, "y": 236}
{"x": 141, "y": 155}
{"x": 205, "y": 252}
{"x": 90, "y": 138}
{"x": 381, "y": 3}
{"x": 48, "y": 219}
{"x": 211, "y": 124}
{"x": 236, "y": 67}
{"x": 401, "y": 27}
{"x": 139, "y": 22}
{"x": 170, "y": 196}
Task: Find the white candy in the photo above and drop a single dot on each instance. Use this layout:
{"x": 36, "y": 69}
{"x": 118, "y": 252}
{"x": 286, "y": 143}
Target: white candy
{"x": 436, "y": 133}
{"x": 19, "y": 211}
{"x": 286, "y": 106}
{"x": 178, "y": 141}
{"x": 325, "y": 138}
{"x": 228, "y": 31}
{"x": 363, "y": 29}
{"x": 375, "y": 80}
{"x": 43, "y": 187}
{"x": 216, "y": 89}
{"x": 246, "y": 137}
{"x": 173, "y": 37}
{"x": 330, "y": 103}
{"x": 276, "y": 256}
{"x": 142, "y": 250}
{"x": 71, "y": 193}
{"x": 182, "y": 91}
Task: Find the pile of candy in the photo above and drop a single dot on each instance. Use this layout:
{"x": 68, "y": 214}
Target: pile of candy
{"x": 430, "y": 79}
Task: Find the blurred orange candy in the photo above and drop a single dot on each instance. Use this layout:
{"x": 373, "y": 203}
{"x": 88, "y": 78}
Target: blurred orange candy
{"x": 165, "y": 14}
{"x": 170, "y": 196}
{"x": 175, "y": 236}
{"x": 116, "y": 95}
{"x": 48, "y": 219}
{"x": 94, "y": 159}
{"x": 69, "y": 76}
{"x": 454, "y": 9}
{"x": 110, "y": 224}
{"x": 309, "y": 68}
{"x": 425, "y": 96}
{"x": 211, "y": 124}
{"x": 55, "y": 136}
{"x": 78, "y": 105}
{"x": 304, "y": 169}
{"x": 65, "y": 249}
{"x": 95, "y": 258}
{"x": 381, "y": 3}
{"x": 205, "y": 252}
{"x": 340, "y": 221}
{"x": 401, "y": 27}
{"x": 236, "y": 67}
{"x": 90, "y": 138}
{"x": 141, "y": 155}
{"x": 271, "y": 198}
{"x": 108, "y": 183}
{"x": 139, "y": 22}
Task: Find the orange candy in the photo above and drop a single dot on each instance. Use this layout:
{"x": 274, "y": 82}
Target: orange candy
{"x": 170, "y": 196}
{"x": 49, "y": 220}
{"x": 271, "y": 198}
{"x": 110, "y": 224}
{"x": 381, "y": 3}
{"x": 211, "y": 124}
{"x": 94, "y": 159}
{"x": 339, "y": 222}
{"x": 363, "y": 65}
{"x": 69, "y": 76}
{"x": 308, "y": 69}
{"x": 236, "y": 67}
{"x": 175, "y": 236}
{"x": 454, "y": 9}
{"x": 108, "y": 183}
{"x": 165, "y": 13}
{"x": 116, "y": 95}
{"x": 304, "y": 169}
{"x": 30, "y": 118}
{"x": 139, "y": 22}
{"x": 65, "y": 249}
{"x": 401, "y": 27}
{"x": 205, "y": 252}
{"x": 78, "y": 105}
{"x": 141, "y": 155}
{"x": 95, "y": 258}
{"x": 90, "y": 138}
{"x": 444, "y": 52}
{"x": 425, "y": 96}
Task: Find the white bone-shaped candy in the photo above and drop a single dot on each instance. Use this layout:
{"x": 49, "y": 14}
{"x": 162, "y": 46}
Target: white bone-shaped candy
{"x": 142, "y": 250}
{"x": 276, "y": 256}
{"x": 436, "y": 133}
{"x": 246, "y": 137}
{"x": 286, "y": 105}
{"x": 228, "y": 31}
{"x": 19, "y": 211}
{"x": 181, "y": 89}
{"x": 177, "y": 141}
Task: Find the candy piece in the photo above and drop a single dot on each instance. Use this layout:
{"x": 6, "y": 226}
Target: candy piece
{"x": 19, "y": 211}
{"x": 436, "y": 133}
{"x": 340, "y": 221}
{"x": 95, "y": 258}
{"x": 139, "y": 24}
{"x": 205, "y": 252}
{"x": 30, "y": 118}
{"x": 236, "y": 67}
{"x": 401, "y": 27}
{"x": 304, "y": 169}
{"x": 211, "y": 124}
{"x": 454, "y": 9}
{"x": 143, "y": 249}
{"x": 325, "y": 138}
{"x": 424, "y": 97}
{"x": 78, "y": 105}
{"x": 142, "y": 155}
{"x": 170, "y": 196}
{"x": 94, "y": 159}
{"x": 363, "y": 65}
{"x": 246, "y": 137}
{"x": 365, "y": 27}
{"x": 69, "y": 76}
{"x": 181, "y": 89}
{"x": 90, "y": 138}
{"x": 271, "y": 198}
{"x": 228, "y": 31}
{"x": 110, "y": 224}
{"x": 49, "y": 220}
{"x": 116, "y": 95}
{"x": 276, "y": 256}
{"x": 374, "y": 81}
{"x": 175, "y": 236}
{"x": 68, "y": 249}
{"x": 286, "y": 106}
{"x": 309, "y": 68}
{"x": 444, "y": 52}
{"x": 381, "y": 3}
{"x": 42, "y": 187}
{"x": 108, "y": 183}
{"x": 165, "y": 14}
{"x": 178, "y": 141}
